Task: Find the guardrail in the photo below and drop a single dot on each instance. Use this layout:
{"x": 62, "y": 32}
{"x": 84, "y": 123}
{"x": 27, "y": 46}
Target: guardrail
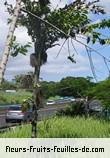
{"x": 43, "y": 113}
{"x": 8, "y": 127}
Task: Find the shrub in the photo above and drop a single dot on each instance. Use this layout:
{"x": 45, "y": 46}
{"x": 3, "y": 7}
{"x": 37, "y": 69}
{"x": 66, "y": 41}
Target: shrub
{"x": 73, "y": 109}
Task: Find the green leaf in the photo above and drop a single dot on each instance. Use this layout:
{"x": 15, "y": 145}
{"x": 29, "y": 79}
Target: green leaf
{"x": 17, "y": 48}
{"x": 102, "y": 41}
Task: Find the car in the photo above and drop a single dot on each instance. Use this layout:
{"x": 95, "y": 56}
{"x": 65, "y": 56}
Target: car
{"x": 72, "y": 99}
{"x": 14, "y": 114}
{"x": 68, "y": 99}
{"x": 50, "y": 102}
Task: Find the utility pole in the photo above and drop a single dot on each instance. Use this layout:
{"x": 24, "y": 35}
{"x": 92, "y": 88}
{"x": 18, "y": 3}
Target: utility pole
{"x": 12, "y": 27}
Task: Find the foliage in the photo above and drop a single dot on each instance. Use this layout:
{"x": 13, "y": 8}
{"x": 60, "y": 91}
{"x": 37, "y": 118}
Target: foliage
{"x": 69, "y": 86}
{"x": 49, "y": 89}
{"x": 102, "y": 92}
{"x": 24, "y": 80}
{"x": 73, "y": 19}
{"x": 95, "y": 30}
{"x": 8, "y": 85}
{"x": 13, "y": 98}
{"x": 73, "y": 86}
{"x": 73, "y": 109}
{"x": 26, "y": 104}
{"x": 64, "y": 127}
{"x": 16, "y": 48}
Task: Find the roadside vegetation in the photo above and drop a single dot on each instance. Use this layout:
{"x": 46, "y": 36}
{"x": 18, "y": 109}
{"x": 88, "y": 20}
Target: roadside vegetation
{"x": 13, "y": 98}
{"x": 69, "y": 86}
{"x": 101, "y": 91}
{"x": 64, "y": 127}
{"x": 72, "y": 110}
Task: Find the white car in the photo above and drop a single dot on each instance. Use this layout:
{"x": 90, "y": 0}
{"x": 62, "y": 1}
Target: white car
{"x": 50, "y": 102}
{"x": 72, "y": 99}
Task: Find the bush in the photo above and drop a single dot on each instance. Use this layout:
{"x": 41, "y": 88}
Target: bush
{"x": 13, "y": 98}
{"x": 73, "y": 109}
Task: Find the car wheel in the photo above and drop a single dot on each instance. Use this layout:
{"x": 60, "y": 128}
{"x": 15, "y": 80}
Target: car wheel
{"x": 7, "y": 121}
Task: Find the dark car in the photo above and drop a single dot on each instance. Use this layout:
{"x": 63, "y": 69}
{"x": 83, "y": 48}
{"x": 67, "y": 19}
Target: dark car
{"x": 14, "y": 114}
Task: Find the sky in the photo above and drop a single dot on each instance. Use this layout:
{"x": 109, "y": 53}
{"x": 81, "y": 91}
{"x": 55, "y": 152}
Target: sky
{"x": 56, "y": 68}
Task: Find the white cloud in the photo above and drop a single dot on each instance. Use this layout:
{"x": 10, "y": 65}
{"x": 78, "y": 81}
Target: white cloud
{"x": 106, "y": 5}
{"x": 57, "y": 3}
{"x": 22, "y": 36}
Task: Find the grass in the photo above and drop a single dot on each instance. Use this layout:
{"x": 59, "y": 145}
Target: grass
{"x": 54, "y": 98}
{"x": 64, "y": 127}
{"x": 13, "y": 98}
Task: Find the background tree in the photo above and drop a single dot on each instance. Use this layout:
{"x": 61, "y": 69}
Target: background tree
{"x": 74, "y": 86}
{"x": 50, "y": 89}
{"x": 6, "y": 85}
{"x": 24, "y": 81}
{"x": 101, "y": 91}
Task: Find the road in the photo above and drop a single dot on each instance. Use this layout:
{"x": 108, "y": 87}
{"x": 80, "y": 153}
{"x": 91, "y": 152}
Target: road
{"x": 42, "y": 114}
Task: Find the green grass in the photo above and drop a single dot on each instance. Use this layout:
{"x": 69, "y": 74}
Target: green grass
{"x": 64, "y": 127}
{"x": 13, "y": 98}
{"x": 54, "y": 98}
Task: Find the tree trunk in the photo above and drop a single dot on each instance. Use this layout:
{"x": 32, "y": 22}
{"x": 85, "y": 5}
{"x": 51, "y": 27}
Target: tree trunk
{"x": 86, "y": 107}
{"x": 36, "y": 94}
{"x": 9, "y": 37}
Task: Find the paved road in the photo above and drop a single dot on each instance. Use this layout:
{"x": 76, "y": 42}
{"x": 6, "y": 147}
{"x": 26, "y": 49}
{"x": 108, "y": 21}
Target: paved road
{"x": 42, "y": 114}
{"x": 2, "y": 121}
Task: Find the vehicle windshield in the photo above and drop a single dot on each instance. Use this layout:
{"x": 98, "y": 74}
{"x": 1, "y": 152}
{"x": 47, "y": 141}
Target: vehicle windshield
{"x": 50, "y": 101}
{"x": 15, "y": 108}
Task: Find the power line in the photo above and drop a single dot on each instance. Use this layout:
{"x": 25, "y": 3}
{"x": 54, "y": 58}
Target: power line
{"x": 99, "y": 32}
{"x": 107, "y": 65}
{"x": 61, "y": 48}
{"x": 68, "y": 47}
{"x": 45, "y": 21}
{"x": 73, "y": 46}
{"x": 64, "y": 33}
{"x": 85, "y": 38}
{"x": 92, "y": 49}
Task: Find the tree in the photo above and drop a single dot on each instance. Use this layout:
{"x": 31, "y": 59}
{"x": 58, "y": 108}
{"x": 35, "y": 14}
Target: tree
{"x": 9, "y": 38}
{"x": 49, "y": 89}
{"x": 24, "y": 80}
{"x": 101, "y": 91}
{"x": 74, "y": 86}
{"x": 62, "y": 23}
{"x": 7, "y": 85}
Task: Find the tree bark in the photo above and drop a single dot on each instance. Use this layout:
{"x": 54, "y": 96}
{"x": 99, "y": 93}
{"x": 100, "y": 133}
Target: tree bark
{"x": 8, "y": 40}
{"x": 36, "y": 93}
